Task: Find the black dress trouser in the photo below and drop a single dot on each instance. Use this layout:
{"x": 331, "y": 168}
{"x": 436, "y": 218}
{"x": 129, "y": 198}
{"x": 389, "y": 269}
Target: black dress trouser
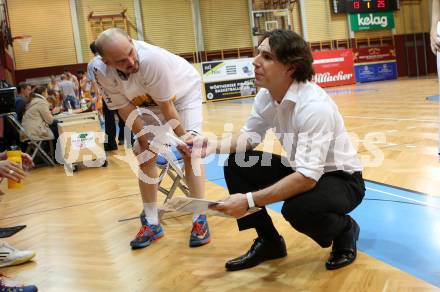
{"x": 320, "y": 213}
{"x": 110, "y": 128}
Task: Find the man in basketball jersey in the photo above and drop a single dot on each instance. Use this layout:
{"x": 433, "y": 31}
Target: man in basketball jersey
{"x": 135, "y": 75}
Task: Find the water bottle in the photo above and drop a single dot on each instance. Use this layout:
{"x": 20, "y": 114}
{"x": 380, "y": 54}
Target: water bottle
{"x": 83, "y": 104}
{"x": 14, "y": 155}
{"x": 69, "y": 107}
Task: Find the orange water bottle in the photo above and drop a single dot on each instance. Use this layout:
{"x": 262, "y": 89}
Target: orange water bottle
{"x": 14, "y": 155}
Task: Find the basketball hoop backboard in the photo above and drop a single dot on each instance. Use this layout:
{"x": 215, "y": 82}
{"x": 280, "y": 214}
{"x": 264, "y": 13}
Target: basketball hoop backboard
{"x": 24, "y": 42}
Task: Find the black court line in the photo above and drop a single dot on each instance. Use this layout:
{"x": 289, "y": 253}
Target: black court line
{"x": 401, "y": 202}
{"x": 399, "y": 188}
{"x": 69, "y": 206}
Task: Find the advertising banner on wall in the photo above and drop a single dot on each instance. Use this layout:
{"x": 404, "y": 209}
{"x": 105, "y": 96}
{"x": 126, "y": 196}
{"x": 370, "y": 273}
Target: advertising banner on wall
{"x": 333, "y": 67}
{"x": 228, "y": 70}
{"x": 374, "y": 54}
{"x": 372, "y": 21}
{"x": 230, "y": 89}
{"x": 375, "y": 64}
{"x": 229, "y": 78}
{"x": 376, "y": 72}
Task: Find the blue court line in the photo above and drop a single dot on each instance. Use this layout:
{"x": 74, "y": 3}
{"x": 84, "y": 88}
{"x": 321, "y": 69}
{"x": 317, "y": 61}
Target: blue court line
{"x": 433, "y": 98}
{"x": 333, "y": 92}
{"x": 399, "y": 227}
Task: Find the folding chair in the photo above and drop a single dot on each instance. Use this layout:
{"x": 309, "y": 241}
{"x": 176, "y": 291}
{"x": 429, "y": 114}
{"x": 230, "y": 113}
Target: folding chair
{"x": 174, "y": 169}
{"x": 35, "y": 146}
{"x": 171, "y": 165}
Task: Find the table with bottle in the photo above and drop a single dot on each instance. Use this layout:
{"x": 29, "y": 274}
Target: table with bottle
{"x": 77, "y": 115}
{"x": 81, "y": 137}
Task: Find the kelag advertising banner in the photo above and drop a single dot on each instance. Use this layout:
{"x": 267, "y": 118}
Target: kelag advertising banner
{"x": 334, "y": 67}
{"x": 229, "y": 78}
{"x": 372, "y": 21}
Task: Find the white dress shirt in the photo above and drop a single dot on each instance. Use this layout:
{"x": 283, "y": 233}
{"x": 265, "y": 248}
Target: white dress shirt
{"x": 309, "y": 126}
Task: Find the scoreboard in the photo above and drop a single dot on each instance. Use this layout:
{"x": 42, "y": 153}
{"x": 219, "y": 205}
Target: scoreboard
{"x": 364, "y": 6}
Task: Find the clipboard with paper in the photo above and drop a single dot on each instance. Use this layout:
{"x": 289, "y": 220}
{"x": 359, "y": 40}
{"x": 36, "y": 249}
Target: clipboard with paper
{"x": 194, "y": 205}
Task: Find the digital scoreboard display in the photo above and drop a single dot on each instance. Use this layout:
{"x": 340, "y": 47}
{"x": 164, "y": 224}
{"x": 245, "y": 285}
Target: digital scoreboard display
{"x": 364, "y": 6}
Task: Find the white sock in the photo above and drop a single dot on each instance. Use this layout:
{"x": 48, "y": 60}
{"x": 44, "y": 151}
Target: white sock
{"x": 151, "y": 214}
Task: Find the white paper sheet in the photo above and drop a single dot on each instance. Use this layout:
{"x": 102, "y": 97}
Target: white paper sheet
{"x": 193, "y": 205}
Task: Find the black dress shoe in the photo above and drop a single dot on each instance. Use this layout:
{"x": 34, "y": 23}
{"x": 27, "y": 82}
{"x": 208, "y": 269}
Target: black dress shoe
{"x": 262, "y": 250}
{"x": 344, "y": 248}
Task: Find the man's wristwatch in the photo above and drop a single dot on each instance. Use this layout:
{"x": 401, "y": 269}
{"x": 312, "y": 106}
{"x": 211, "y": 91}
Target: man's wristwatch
{"x": 250, "y": 199}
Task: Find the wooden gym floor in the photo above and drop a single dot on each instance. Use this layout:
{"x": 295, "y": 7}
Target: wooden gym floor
{"x": 73, "y": 222}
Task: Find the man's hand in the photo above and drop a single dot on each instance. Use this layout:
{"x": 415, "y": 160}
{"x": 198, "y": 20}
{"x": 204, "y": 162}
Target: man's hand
{"x": 198, "y": 146}
{"x": 435, "y": 42}
{"x": 11, "y": 170}
{"x": 235, "y": 206}
{"x": 27, "y": 161}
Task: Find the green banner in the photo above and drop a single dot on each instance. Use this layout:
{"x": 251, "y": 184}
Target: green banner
{"x": 370, "y": 21}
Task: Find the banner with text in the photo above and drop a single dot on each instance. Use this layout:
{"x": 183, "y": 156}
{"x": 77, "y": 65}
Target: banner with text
{"x": 334, "y": 67}
{"x": 372, "y": 21}
{"x": 374, "y": 54}
{"x": 230, "y": 89}
{"x": 375, "y": 63}
{"x": 229, "y": 78}
{"x": 228, "y": 70}
{"x": 376, "y": 72}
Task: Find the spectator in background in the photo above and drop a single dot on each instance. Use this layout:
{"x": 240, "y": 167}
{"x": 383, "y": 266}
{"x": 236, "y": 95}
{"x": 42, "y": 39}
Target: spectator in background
{"x": 91, "y": 82}
{"x": 53, "y": 84}
{"x": 74, "y": 79}
{"x": 54, "y": 105}
{"x": 109, "y": 115}
{"x": 53, "y": 88}
{"x": 38, "y": 120}
{"x": 67, "y": 88}
{"x": 90, "y": 75}
{"x": 22, "y": 98}
{"x": 10, "y": 135}
{"x": 82, "y": 79}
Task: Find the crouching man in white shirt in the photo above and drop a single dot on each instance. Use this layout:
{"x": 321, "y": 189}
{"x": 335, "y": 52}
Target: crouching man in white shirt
{"x": 136, "y": 75}
{"x": 320, "y": 180}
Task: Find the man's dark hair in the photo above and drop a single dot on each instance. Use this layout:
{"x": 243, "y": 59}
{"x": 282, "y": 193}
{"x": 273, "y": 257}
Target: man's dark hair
{"x": 50, "y": 92}
{"x": 93, "y": 48}
{"x": 21, "y": 86}
{"x": 291, "y": 49}
{"x": 40, "y": 89}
